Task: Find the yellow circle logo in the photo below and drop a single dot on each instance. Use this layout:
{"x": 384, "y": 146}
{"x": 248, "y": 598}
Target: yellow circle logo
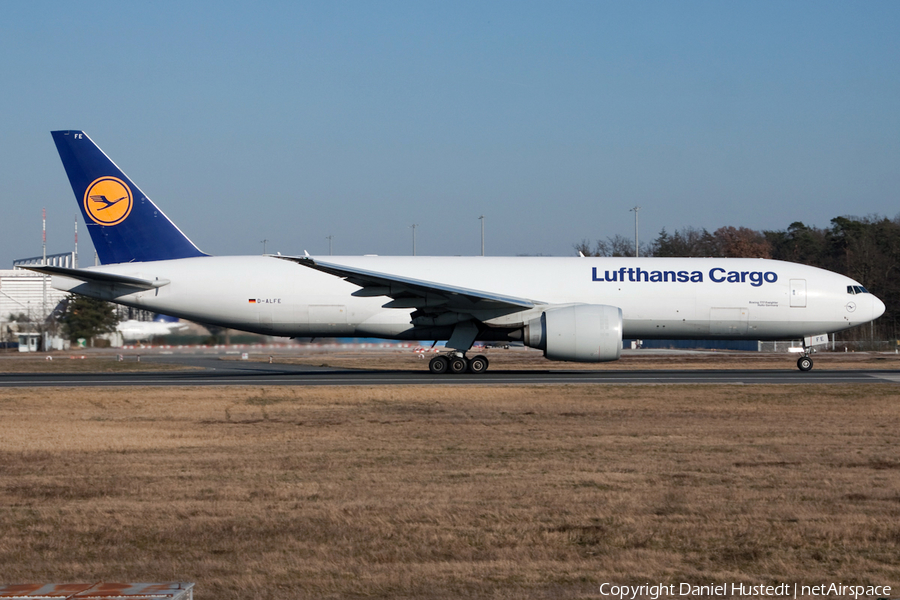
{"x": 108, "y": 201}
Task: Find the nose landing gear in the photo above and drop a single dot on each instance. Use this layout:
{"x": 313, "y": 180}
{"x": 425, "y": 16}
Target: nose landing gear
{"x": 458, "y": 363}
{"x": 805, "y": 363}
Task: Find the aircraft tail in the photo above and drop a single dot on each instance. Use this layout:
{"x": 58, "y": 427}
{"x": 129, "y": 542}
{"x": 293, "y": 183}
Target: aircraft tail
{"x": 124, "y": 224}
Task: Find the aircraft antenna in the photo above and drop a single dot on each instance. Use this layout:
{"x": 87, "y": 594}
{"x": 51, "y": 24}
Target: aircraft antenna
{"x": 481, "y": 218}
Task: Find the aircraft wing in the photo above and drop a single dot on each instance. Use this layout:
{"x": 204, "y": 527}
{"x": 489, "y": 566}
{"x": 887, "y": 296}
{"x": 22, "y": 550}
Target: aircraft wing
{"x": 101, "y": 278}
{"x": 415, "y": 293}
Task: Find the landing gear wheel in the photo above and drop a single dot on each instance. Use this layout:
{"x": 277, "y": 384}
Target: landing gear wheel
{"x": 478, "y": 364}
{"x": 804, "y": 363}
{"x": 458, "y": 364}
{"x": 438, "y": 365}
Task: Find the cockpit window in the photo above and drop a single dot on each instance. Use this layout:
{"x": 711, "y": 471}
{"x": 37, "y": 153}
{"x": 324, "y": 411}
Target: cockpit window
{"x": 856, "y": 289}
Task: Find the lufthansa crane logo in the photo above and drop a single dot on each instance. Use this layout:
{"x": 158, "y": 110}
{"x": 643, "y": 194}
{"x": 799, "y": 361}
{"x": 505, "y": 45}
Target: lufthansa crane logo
{"x": 108, "y": 201}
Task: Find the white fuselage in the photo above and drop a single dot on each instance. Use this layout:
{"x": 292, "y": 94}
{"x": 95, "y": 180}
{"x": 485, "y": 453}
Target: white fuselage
{"x": 665, "y": 298}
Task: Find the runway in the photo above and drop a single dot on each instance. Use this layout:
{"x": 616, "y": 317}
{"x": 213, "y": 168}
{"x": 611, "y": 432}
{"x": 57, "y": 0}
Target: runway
{"x": 214, "y": 372}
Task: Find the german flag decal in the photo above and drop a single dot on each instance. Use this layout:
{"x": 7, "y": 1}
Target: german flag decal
{"x": 252, "y": 301}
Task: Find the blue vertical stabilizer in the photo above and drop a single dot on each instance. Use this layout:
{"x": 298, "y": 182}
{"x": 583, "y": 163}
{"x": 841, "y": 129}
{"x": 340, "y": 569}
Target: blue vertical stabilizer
{"x": 124, "y": 224}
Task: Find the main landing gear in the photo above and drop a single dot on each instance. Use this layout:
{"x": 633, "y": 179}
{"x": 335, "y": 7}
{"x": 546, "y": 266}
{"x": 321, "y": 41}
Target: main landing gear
{"x": 458, "y": 363}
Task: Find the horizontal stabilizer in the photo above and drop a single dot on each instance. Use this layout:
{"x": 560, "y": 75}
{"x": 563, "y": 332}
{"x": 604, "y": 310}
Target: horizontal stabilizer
{"x": 100, "y": 278}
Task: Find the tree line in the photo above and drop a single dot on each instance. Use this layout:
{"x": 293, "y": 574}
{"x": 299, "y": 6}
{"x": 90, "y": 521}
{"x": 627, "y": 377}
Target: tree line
{"x": 866, "y": 249}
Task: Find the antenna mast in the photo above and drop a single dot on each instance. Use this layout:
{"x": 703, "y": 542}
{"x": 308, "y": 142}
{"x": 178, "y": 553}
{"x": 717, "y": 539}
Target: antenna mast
{"x": 636, "y": 209}
{"x": 481, "y": 218}
{"x": 44, "y": 263}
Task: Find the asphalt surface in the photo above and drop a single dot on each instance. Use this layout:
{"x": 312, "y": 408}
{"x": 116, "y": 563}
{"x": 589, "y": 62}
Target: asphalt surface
{"x": 215, "y": 372}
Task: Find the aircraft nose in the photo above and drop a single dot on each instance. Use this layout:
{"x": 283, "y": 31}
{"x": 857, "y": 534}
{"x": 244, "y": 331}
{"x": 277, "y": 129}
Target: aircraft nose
{"x": 877, "y": 308}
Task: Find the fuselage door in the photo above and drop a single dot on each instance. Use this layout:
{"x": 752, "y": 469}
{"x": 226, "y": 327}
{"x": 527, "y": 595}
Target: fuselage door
{"x": 798, "y": 293}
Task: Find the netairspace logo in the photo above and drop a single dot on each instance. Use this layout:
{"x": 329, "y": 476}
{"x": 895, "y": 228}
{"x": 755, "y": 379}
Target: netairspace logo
{"x": 716, "y": 275}
{"x": 781, "y": 590}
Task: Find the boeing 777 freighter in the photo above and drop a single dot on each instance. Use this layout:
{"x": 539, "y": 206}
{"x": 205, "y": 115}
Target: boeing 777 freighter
{"x": 574, "y": 309}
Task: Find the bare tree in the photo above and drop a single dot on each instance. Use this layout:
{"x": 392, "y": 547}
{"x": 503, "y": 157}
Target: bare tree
{"x": 687, "y": 241}
{"x": 741, "y": 242}
{"x": 617, "y": 245}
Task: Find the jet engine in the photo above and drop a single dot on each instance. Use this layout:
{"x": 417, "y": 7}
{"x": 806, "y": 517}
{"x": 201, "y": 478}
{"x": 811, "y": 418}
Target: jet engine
{"x": 579, "y": 333}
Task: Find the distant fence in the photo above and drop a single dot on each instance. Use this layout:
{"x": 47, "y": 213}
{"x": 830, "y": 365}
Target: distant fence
{"x": 746, "y": 345}
{"x": 768, "y": 346}
{"x": 837, "y": 346}
{"x": 779, "y": 346}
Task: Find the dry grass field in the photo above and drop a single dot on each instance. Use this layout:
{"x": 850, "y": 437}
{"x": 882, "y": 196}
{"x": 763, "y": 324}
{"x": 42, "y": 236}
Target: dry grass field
{"x": 424, "y": 492}
{"x": 74, "y": 363}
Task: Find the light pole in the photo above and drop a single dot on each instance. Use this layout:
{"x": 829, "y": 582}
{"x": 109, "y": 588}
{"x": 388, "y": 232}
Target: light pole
{"x": 414, "y": 226}
{"x": 481, "y": 218}
{"x": 264, "y": 242}
{"x": 329, "y": 238}
{"x": 44, "y": 261}
{"x": 636, "y": 209}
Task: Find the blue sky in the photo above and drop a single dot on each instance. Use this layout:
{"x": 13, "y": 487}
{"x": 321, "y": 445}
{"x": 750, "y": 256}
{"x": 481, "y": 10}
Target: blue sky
{"x": 294, "y": 121}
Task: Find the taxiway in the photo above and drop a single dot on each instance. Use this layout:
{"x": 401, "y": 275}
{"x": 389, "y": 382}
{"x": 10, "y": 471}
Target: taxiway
{"x": 214, "y": 372}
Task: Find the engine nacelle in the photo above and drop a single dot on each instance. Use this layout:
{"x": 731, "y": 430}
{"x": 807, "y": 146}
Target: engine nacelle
{"x": 579, "y": 333}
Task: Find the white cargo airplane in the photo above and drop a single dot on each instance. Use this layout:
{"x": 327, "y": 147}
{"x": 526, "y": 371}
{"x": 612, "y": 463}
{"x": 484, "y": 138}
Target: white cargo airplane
{"x": 142, "y": 331}
{"x": 574, "y": 309}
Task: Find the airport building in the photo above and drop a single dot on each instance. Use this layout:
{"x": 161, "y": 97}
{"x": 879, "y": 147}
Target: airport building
{"x": 27, "y": 299}
{"x": 22, "y": 292}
